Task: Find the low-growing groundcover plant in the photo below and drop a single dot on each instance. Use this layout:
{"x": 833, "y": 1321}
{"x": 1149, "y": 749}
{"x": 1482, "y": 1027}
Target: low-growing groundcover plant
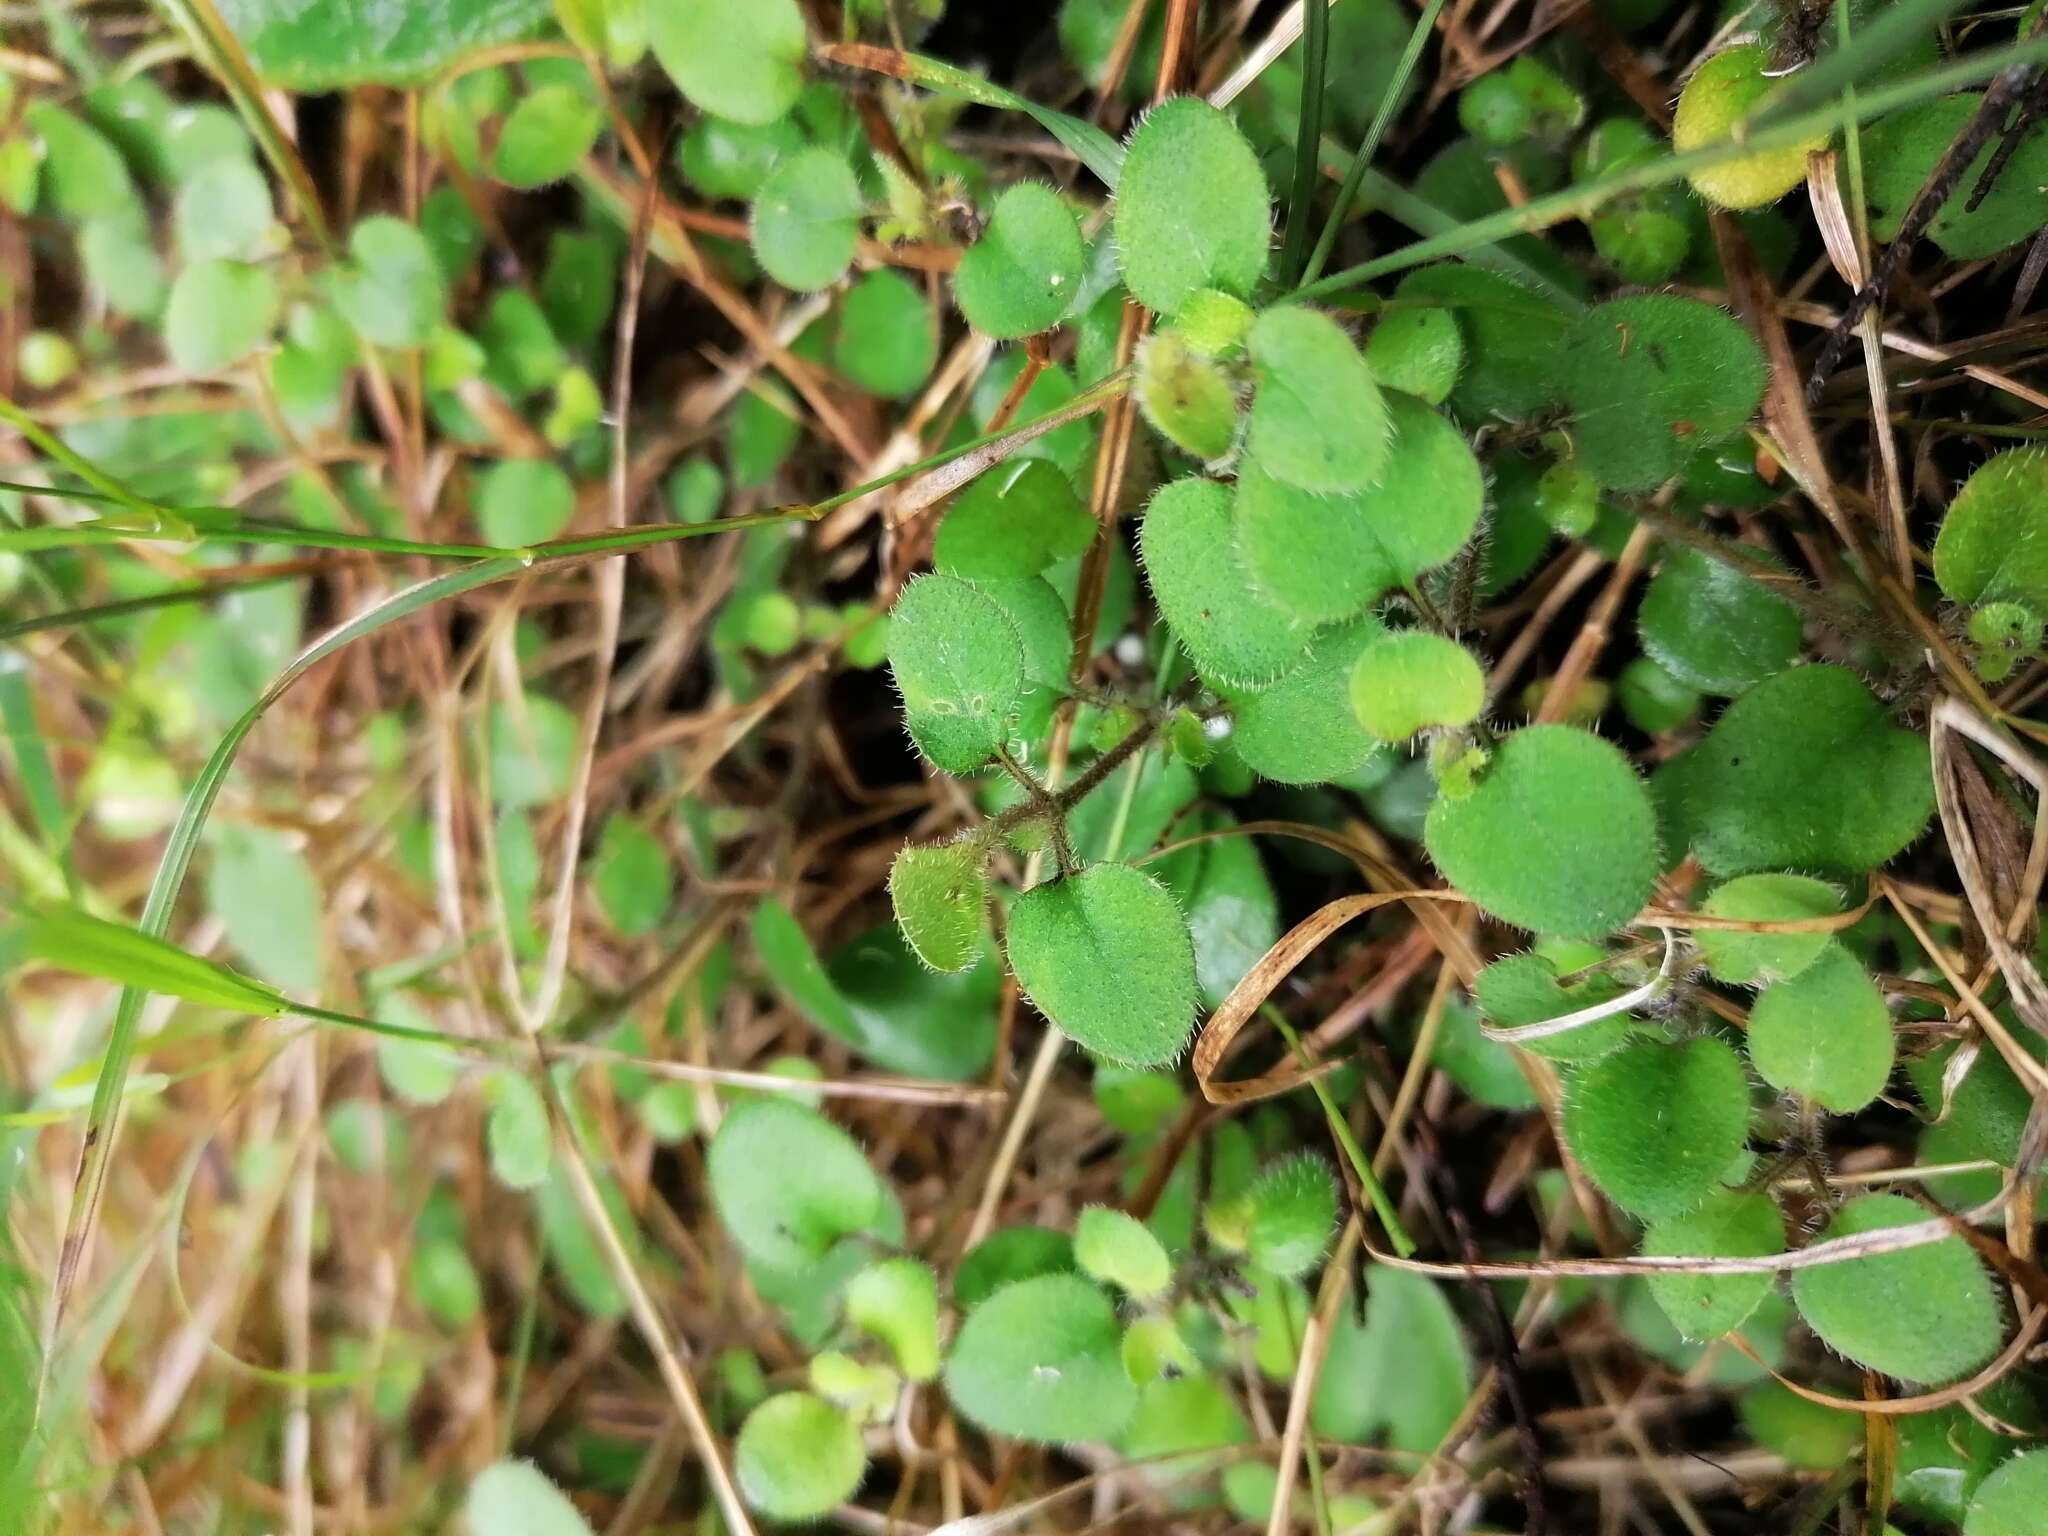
{"x": 945, "y": 766}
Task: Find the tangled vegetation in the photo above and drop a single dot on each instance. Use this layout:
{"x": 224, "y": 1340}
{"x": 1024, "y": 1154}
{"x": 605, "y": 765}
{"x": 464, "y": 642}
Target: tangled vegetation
{"x": 1120, "y": 765}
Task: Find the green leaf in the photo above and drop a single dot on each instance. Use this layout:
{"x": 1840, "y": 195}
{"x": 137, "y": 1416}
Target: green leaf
{"x": 219, "y": 312}
{"x": 416, "y": 1071}
{"x": 532, "y": 751}
{"x": 724, "y": 159}
{"x": 1118, "y": 1250}
{"x": 1233, "y": 913}
{"x": 939, "y": 895}
{"x": 1318, "y": 421}
{"x": 1009, "y": 1255}
{"x": 392, "y": 290}
{"x": 1756, "y": 959}
{"x": 1417, "y": 351}
{"x": 1732, "y": 1224}
{"x": 632, "y": 876}
{"x": 324, "y": 47}
{"x": 83, "y": 176}
{"x": 546, "y": 136}
{"x": 1412, "y": 679}
{"x": 1518, "y": 990}
{"x": 2010, "y": 1501}
{"x": 1825, "y": 1034}
{"x": 742, "y": 62}
{"x": 1511, "y": 336}
{"x": 1110, "y": 920}
{"x": 513, "y": 1498}
{"x": 1294, "y": 1212}
{"x": 1192, "y": 210}
{"x": 1901, "y": 150}
{"x": 1926, "y": 1315}
{"x": 523, "y": 501}
{"x": 223, "y": 212}
{"x": 1557, "y": 836}
{"x": 1806, "y": 1434}
{"x": 884, "y": 340}
{"x": 1189, "y": 550}
{"x": 797, "y": 1457}
{"x": 573, "y": 1248}
{"x": 1189, "y": 400}
{"x": 788, "y": 1183}
{"x": 1040, "y": 1360}
{"x": 1655, "y": 1126}
{"x": 445, "y": 1283}
{"x": 74, "y": 941}
{"x": 1019, "y": 519}
{"x": 517, "y": 1133}
{"x": 1300, "y": 729}
{"x": 806, "y": 222}
{"x": 1406, "y": 1370}
{"x": 1325, "y": 558}
{"x": 1653, "y": 378}
{"x": 1024, "y": 273}
{"x": 910, "y": 1019}
{"x": 959, "y": 664}
{"x": 1805, "y": 771}
{"x": 269, "y": 903}
{"x": 1713, "y": 628}
{"x": 897, "y": 1300}
{"x": 1993, "y": 546}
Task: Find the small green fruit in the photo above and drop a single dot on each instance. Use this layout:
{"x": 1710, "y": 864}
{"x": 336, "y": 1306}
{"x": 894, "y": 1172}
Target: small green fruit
{"x": 1187, "y": 398}
{"x": 1120, "y": 1250}
{"x": 1411, "y": 679}
{"x": 46, "y": 359}
{"x": 1718, "y": 96}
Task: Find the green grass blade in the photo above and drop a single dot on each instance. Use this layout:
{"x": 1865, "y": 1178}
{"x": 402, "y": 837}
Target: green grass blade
{"x": 170, "y": 880}
{"x": 102, "y": 613}
{"x": 32, "y": 764}
{"x": 74, "y": 940}
{"x": 1096, "y": 149}
{"x": 1308, "y": 137}
{"x": 1769, "y": 131}
{"x": 1361, "y": 162}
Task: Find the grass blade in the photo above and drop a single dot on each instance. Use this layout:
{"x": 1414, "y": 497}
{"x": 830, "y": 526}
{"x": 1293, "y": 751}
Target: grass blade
{"x": 1768, "y": 130}
{"x": 1411, "y": 55}
{"x": 1308, "y": 137}
{"x": 74, "y": 940}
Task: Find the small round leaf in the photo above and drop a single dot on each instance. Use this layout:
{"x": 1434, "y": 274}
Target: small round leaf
{"x": 743, "y": 62}
{"x": 938, "y": 894}
{"x": 788, "y": 1183}
{"x": 517, "y": 1133}
{"x": 1020, "y": 519}
{"x": 219, "y": 312}
{"x": 1293, "y": 1213}
{"x": 1733, "y": 1224}
{"x": 1925, "y": 1314}
{"x": 546, "y": 134}
{"x": 798, "y": 1457}
{"x": 1120, "y": 1250}
{"x": 523, "y": 501}
{"x": 1300, "y": 729}
{"x": 1517, "y": 990}
{"x": 514, "y": 1498}
{"x": 1041, "y": 1360}
{"x": 1756, "y": 959}
{"x": 897, "y": 1300}
{"x": 1318, "y": 421}
{"x": 806, "y": 221}
{"x": 1191, "y": 207}
{"x": 392, "y": 290}
{"x": 959, "y": 663}
{"x": 1825, "y": 1034}
{"x": 1066, "y": 936}
{"x": 1190, "y": 553}
{"x": 1992, "y": 546}
{"x": 1655, "y": 1126}
{"x": 2010, "y": 1501}
{"x": 884, "y": 340}
{"x": 1720, "y": 94}
{"x": 1411, "y": 679}
{"x": 1557, "y": 836}
{"x": 1714, "y": 628}
{"x": 1652, "y": 379}
{"x": 1025, "y": 272}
